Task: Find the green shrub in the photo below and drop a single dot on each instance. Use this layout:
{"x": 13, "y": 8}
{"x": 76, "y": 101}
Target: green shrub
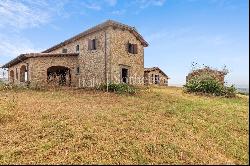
{"x": 230, "y": 91}
{"x": 7, "y": 86}
{"x": 206, "y": 84}
{"x": 118, "y": 88}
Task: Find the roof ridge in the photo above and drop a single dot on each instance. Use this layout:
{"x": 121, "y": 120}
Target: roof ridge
{"x": 155, "y": 68}
{"x": 93, "y": 29}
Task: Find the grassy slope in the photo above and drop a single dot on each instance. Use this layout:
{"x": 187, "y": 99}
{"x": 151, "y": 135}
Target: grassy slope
{"x": 157, "y": 126}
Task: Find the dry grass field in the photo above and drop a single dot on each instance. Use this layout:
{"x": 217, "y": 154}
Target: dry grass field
{"x": 156, "y": 126}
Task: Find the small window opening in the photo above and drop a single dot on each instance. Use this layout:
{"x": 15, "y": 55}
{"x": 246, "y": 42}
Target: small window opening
{"x": 64, "y": 50}
{"x": 78, "y": 70}
{"x": 77, "y": 48}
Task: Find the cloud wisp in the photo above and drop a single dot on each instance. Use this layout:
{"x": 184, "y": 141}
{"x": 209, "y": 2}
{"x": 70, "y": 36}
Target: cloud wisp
{"x": 20, "y": 14}
{"x": 146, "y": 3}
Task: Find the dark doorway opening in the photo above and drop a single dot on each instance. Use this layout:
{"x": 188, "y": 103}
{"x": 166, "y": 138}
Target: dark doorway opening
{"x": 157, "y": 79}
{"x": 11, "y": 76}
{"x": 59, "y": 75}
{"x": 124, "y": 75}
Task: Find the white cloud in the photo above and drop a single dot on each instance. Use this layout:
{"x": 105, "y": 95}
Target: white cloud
{"x": 111, "y": 2}
{"x": 17, "y": 15}
{"x": 118, "y": 12}
{"x": 147, "y": 3}
{"x": 91, "y": 5}
{"x": 186, "y": 35}
{"x": 13, "y": 45}
{"x": 20, "y": 14}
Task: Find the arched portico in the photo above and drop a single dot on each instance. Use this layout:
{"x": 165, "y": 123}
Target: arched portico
{"x": 23, "y": 73}
{"x": 59, "y": 75}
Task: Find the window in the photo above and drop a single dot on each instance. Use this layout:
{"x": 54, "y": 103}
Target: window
{"x": 64, "y": 50}
{"x": 157, "y": 79}
{"x": 132, "y": 48}
{"x": 16, "y": 74}
{"x": 92, "y": 44}
{"x": 166, "y": 81}
{"x": 78, "y": 70}
{"x": 77, "y": 48}
{"x": 152, "y": 77}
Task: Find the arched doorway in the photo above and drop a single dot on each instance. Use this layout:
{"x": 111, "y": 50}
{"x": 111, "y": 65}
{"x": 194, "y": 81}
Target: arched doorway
{"x": 23, "y": 74}
{"x": 11, "y": 79}
{"x": 59, "y": 75}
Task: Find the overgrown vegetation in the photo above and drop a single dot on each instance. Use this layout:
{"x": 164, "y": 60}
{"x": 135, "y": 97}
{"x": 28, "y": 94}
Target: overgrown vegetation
{"x": 208, "y": 83}
{"x": 156, "y": 126}
{"x": 7, "y": 87}
{"x": 205, "y": 84}
{"x": 118, "y": 88}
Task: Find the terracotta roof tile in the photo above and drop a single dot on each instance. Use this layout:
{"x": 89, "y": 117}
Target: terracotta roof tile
{"x": 153, "y": 69}
{"x": 97, "y": 28}
{"x": 23, "y": 57}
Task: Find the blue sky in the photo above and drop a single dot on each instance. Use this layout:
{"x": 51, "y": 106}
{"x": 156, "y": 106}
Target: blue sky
{"x": 210, "y": 32}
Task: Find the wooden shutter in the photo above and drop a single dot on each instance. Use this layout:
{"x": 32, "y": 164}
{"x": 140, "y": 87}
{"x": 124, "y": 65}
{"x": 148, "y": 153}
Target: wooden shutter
{"x": 89, "y": 44}
{"x": 94, "y": 44}
{"x": 127, "y": 47}
{"x": 135, "y": 49}
{"x": 130, "y": 48}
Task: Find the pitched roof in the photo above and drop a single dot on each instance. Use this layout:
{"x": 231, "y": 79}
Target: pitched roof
{"x": 155, "y": 68}
{"x": 23, "y": 57}
{"x": 97, "y": 28}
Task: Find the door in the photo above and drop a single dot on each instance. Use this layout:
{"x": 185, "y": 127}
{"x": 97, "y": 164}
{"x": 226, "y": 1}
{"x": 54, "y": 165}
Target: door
{"x": 124, "y": 75}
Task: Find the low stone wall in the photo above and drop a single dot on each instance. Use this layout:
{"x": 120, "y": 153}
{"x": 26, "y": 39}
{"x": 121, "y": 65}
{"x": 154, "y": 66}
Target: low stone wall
{"x": 37, "y": 69}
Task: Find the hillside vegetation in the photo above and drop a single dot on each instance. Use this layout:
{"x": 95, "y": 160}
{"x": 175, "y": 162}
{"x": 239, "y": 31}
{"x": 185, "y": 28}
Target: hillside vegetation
{"x": 155, "y": 126}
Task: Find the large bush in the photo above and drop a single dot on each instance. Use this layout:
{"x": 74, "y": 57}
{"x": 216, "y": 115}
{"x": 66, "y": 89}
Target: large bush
{"x": 118, "y": 88}
{"x": 206, "y": 84}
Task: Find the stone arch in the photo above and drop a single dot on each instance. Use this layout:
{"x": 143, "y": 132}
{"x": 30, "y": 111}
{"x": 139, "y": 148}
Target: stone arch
{"x": 59, "y": 75}
{"x": 23, "y": 73}
{"x": 12, "y": 75}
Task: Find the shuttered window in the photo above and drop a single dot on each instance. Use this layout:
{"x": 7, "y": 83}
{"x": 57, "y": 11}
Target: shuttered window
{"x": 92, "y": 44}
{"x": 132, "y": 48}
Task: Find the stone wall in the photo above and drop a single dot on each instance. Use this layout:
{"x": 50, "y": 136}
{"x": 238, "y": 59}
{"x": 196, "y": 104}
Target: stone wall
{"x": 16, "y": 69}
{"x": 37, "y": 69}
{"x": 90, "y": 62}
{"x": 120, "y": 57}
{"x": 96, "y": 66}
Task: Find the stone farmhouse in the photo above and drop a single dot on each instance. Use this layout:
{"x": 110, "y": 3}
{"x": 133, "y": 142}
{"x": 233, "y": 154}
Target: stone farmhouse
{"x": 155, "y": 76}
{"x": 110, "y": 52}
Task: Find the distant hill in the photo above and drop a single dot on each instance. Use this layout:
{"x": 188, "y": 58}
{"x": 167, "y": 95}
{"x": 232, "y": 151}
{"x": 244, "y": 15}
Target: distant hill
{"x": 243, "y": 90}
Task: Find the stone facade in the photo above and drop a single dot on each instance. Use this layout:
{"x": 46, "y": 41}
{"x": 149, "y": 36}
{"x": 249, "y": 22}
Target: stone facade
{"x": 109, "y": 62}
{"x": 121, "y": 58}
{"x": 36, "y": 69}
{"x": 218, "y": 75}
{"x": 155, "y": 76}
